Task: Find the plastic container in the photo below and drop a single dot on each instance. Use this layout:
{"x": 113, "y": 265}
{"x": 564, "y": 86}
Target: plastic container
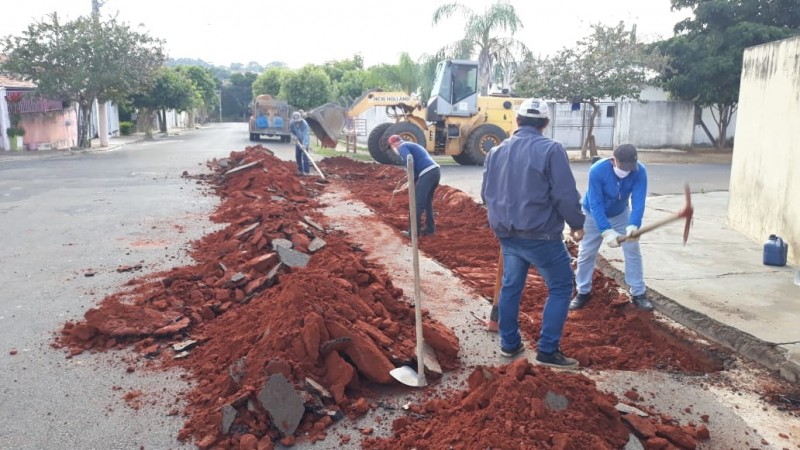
{"x": 775, "y": 251}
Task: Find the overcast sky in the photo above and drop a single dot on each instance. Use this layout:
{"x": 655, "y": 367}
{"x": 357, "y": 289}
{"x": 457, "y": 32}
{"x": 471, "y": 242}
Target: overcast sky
{"x": 315, "y": 31}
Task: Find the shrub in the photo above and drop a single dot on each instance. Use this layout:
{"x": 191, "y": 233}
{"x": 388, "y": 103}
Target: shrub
{"x": 125, "y": 128}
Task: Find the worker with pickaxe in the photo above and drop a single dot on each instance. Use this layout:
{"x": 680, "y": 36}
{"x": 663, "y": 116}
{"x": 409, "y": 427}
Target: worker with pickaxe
{"x": 614, "y": 208}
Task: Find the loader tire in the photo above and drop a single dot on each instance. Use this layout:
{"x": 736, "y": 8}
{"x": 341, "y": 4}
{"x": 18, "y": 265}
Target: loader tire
{"x": 408, "y": 132}
{"x": 481, "y": 140}
{"x": 463, "y": 159}
{"x": 374, "y": 143}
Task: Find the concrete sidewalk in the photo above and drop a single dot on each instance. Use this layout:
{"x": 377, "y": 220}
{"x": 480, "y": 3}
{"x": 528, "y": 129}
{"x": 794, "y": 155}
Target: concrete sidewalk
{"x": 717, "y": 284}
{"x": 114, "y": 143}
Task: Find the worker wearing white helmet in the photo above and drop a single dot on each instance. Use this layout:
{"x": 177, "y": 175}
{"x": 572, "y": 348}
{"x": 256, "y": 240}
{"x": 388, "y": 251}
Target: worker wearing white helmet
{"x": 302, "y": 137}
{"x": 530, "y": 192}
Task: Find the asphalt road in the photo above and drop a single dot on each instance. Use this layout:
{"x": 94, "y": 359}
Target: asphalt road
{"x": 62, "y": 217}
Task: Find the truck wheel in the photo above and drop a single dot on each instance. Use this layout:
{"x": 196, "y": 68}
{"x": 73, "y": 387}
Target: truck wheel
{"x": 253, "y": 137}
{"x": 481, "y": 140}
{"x": 374, "y": 143}
{"x": 408, "y": 132}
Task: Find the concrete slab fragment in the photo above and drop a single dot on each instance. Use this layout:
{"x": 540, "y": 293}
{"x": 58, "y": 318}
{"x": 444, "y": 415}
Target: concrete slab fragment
{"x": 316, "y": 245}
{"x": 293, "y": 258}
{"x": 281, "y": 243}
{"x": 625, "y": 409}
{"x": 555, "y": 402}
{"x": 244, "y": 167}
{"x": 311, "y": 222}
{"x": 283, "y": 404}
{"x": 228, "y": 416}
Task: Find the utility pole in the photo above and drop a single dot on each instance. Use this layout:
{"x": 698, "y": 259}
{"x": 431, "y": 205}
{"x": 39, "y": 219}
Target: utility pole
{"x": 220, "y": 106}
{"x": 102, "y": 114}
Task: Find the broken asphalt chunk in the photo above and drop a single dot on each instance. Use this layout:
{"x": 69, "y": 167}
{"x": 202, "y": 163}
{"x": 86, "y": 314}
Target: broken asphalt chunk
{"x": 316, "y": 245}
{"x": 283, "y": 404}
{"x": 293, "y": 258}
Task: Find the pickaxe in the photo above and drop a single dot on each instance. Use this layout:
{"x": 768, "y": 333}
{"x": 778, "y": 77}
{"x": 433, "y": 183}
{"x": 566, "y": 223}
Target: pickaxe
{"x": 685, "y": 213}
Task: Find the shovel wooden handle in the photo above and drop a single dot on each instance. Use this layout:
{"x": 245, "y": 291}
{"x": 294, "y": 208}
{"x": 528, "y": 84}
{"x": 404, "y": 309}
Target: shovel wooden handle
{"x": 412, "y": 207}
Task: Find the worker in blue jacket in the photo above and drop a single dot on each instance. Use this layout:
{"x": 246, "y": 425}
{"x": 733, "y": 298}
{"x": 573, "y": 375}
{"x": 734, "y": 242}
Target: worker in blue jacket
{"x": 614, "y": 207}
{"x": 529, "y": 191}
{"x": 426, "y": 180}
{"x": 302, "y": 137}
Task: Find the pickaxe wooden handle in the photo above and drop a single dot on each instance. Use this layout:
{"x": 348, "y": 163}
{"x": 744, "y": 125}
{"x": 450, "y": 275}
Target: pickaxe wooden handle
{"x": 685, "y": 213}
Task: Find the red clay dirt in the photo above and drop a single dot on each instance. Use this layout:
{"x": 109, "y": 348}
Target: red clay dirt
{"x": 606, "y": 334}
{"x": 340, "y": 323}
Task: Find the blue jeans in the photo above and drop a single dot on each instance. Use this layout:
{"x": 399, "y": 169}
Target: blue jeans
{"x": 425, "y": 188}
{"x": 590, "y": 245}
{"x": 303, "y": 162}
{"x": 552, "y": 261}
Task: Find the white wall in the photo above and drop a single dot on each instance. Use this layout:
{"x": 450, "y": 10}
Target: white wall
{"x": 655, "y": 124}
{"x": 765, "y": 173}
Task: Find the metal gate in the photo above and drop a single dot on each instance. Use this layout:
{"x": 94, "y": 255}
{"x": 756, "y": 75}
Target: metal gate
{"x": 569, "y": 126}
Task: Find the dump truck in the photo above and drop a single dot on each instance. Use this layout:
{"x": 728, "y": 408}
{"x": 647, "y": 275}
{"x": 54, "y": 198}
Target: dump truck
{"x": 455, "y": 121}
{"x": 270, "y": 117}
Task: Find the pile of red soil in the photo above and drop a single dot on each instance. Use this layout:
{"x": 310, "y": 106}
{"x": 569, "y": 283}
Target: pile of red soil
{"x": 524, "y": 406}
{"x": 607, "y": 334}
{"x": 243, "y": 315}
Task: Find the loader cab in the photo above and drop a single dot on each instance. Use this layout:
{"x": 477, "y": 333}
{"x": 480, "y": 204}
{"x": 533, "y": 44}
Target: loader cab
{"x": 455, "y": 90}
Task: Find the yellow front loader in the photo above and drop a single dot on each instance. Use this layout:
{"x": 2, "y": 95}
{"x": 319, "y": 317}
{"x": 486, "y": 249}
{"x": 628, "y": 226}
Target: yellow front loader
{"x": 456, "y": 120}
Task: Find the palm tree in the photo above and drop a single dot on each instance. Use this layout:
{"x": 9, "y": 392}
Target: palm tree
{"x": 481, "y": 37}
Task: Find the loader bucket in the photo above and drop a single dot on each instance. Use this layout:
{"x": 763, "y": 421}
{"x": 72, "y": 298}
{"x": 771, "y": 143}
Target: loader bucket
{"x": 327, "y": 122}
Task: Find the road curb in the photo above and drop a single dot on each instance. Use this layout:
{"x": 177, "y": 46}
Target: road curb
{"x": 745, "y": 344}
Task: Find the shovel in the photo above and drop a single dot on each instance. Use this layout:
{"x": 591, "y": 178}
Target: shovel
{"x": 310, "y": 159}
{"x": 406, "y": 374}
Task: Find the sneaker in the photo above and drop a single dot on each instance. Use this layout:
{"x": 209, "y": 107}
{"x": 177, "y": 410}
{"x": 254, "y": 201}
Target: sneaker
{"x": 642, "y": 302}
{"x": 514, "y": 352}
{"x": 556, "y": 359}
{"x": 579, "y": 301}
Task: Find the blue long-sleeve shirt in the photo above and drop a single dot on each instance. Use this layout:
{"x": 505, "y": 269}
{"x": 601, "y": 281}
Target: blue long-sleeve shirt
{"x": 609, "y": 195}
{"x": 299, "y": 128}
{"x": 529, "y": 189}
{"x": 422, "y": 159}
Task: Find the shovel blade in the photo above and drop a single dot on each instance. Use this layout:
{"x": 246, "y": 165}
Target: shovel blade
{"x": 408, "y": 376}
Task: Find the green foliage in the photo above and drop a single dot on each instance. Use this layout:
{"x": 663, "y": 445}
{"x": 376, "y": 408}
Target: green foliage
{"x": 171, "y": 90}
{"x": 125, "y": 128}
{"x": 306, "y": 88}
{"x": 82, "y": 60}
{"x": 610, "y": 63}
{"x": 269, "y": 82}
{"x": 237, "y": 94}
{"x": 203, "y": 80}
{"x": 705, "y": 55}
{"x": 337, "y": 69}
{"x": 15, "y": 131}
{"x": 351, "y": 86}
{"x": 484, "y": 37}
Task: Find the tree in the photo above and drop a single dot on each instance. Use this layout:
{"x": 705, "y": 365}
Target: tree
{"x": 205, "y": 85}
{"x": 481, "y": 37}
{"x": 80, "y": 61}
{"x": 351, "y": 86}
{"x": 171, "y": 90}
{"x": 237, "y": 94}
{"x": 336, "y": 69}
{"x": 306, "y": 88}
{"x": 270, "y": 81}
{"x": 610, "y": 63}
{"x": 705, "y": 55}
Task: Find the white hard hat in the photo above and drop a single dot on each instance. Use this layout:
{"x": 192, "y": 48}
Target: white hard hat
{"x": 535, "y": 108}
{"x": 296, "y": 116}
